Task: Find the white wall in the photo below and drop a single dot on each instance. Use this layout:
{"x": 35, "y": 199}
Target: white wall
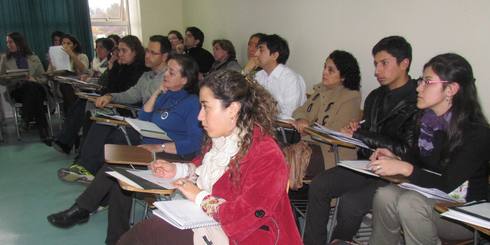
{"x": 314, "y": 28}
{"x": 159, "y": 17}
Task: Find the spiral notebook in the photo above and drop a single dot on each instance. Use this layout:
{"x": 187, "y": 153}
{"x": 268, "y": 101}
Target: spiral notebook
{"x": 183, "y": 214}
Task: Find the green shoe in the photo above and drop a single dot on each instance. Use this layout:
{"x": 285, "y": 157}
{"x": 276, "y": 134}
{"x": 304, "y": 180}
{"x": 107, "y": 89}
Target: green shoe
{"x": 76, "y": 173}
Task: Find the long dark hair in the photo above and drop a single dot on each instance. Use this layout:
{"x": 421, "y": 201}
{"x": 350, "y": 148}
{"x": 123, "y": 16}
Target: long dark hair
{"x": 20, "y": 43}
{"x": 135, "y": 45}
{"x": 189, "y": 70}
{"x": 465, "y": 106}
{"x": 77, "y": 47}
{"x": 258, "y": 108}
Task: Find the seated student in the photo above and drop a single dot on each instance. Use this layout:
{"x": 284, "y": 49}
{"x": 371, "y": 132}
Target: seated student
{"x": 389, "y": 114}
{"x": 177, "y": 41}
{"x": 31, "y": 91}
{"x": 286, "y": 86}
{"x": 334, "y": 103}
{"x": 103, "y": 49}
{"x": 79, "y": 64}
{"x": 241, "y": 179}
{"x": 252, "y": 65}
{"x": 55, "y": 41}
{"x": 193, "y": 41}
{"x": 174, "y": 107}
{"x": 224, "y": 56}
{"x": 453, "y": 140}
{"x": 124, "y": 74}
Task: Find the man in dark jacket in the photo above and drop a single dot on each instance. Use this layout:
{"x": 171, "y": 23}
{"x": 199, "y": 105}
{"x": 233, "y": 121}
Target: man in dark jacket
{"x": 388, "y": 122}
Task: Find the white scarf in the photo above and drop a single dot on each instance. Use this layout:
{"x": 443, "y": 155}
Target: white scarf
{"x": 216, "y": 161}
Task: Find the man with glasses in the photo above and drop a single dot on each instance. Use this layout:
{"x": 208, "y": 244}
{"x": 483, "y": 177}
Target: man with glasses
{"x": 91, "y": 156}
{"x": 389, "y": 122}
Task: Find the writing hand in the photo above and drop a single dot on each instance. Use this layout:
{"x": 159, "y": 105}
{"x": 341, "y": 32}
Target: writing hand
{"x": 383, "y": 153}
{"x": 189, "y": 189}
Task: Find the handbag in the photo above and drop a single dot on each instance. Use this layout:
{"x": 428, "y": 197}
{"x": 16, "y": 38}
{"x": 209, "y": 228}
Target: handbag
{"x": 298, "y": 157}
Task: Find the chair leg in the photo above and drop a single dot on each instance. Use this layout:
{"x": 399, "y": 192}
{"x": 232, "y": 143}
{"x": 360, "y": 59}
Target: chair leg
{"x": 50, "y": 122}
{"x": 16, "y": 121}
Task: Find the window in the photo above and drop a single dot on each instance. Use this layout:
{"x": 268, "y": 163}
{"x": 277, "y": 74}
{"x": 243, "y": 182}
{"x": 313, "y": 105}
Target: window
{"x": 109, "y": 17}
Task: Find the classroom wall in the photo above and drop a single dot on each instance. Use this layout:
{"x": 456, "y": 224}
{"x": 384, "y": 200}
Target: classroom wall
{"x": 314, "y": 28}
{"x": 159, "y": 17}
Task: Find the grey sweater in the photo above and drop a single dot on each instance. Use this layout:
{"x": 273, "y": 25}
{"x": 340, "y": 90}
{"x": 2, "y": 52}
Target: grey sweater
{"x": 142, "y": 91}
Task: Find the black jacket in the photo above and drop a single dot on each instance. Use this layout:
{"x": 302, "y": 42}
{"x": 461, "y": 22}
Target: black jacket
{"x": 390, "y": 120}
{"x": 467, "y": 162}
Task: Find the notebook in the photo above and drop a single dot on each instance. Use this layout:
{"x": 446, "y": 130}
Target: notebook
{"x": 183, "y": 214}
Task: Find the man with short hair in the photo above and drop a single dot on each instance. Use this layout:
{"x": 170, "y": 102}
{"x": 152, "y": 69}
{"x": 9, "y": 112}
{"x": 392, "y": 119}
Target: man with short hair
{"x": 286, "y": 86}
{"x": 193, "y": 41}
{"x": 389, "y": 122}
{"x": 92, "y": 154}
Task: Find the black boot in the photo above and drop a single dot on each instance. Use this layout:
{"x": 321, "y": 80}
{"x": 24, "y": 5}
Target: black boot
{"x": 70, "y": 217}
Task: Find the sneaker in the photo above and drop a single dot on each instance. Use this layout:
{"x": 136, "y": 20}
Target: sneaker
{"x": 75, "y": 173}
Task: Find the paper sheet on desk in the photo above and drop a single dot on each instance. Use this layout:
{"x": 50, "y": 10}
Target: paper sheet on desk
{"x": 59, "y": 58}
{"x": 148, "y": 175}
{"x": 145, "y": 174}
{"x": 357, "y": 165}
{"x": 482, "y": 210}
{"x": 340, "y": 136}
{"x": 432, "y": 193}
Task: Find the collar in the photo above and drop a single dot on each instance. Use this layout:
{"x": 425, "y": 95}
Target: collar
{"x": 277, "y": 71}
{"x": 401, "y": 92}
{"x": 154, "y": 73}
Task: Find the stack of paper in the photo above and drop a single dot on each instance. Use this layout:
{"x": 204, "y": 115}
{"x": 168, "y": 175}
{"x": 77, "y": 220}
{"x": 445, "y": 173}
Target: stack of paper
{"x": 183, "y": 214}
{"x": 339, "y": 136}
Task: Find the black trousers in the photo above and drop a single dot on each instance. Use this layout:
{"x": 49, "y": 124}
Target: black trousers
{"x": 92, "y": 151}
{"x": 105, "y": 189}
{"x": 356, "y": 191}
{"x": 76, "y": 119}
{"x": 68, "y": 95}
{"x": 32, "y": 96}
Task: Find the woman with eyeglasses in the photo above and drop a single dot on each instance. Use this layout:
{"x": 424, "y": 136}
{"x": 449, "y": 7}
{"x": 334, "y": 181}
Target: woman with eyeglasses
{"x": 451, "y": 155}
{"x": 174, "y": 107}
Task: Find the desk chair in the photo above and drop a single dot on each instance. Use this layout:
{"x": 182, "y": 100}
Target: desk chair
{"x": 149, "y": 196}
{"x": 133, "y": 155}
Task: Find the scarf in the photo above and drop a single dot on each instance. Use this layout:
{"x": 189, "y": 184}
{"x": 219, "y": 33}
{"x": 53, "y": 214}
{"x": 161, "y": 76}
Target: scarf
{"x": 216, "y": 161}
{"x": 20, "y": 60}
{"x": 430, "y": 123}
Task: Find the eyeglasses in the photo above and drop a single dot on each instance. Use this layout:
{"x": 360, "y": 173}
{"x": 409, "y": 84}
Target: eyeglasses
{"x": 147, "y": 51}
{"x": 426, "y": 83}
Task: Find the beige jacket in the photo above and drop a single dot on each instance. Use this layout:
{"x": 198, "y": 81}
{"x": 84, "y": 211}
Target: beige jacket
{"x": 333, "y": 108}
{"x": 36, "y": 68}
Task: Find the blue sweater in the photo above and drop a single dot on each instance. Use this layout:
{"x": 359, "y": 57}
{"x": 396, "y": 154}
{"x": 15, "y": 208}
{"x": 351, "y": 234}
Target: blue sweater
{"x": 181, "y": 124}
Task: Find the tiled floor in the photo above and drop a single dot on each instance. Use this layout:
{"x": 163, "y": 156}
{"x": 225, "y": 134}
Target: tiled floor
{"x": 30, "y": 190}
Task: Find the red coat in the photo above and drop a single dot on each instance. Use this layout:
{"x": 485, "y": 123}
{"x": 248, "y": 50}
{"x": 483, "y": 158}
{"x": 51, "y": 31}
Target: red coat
{"x": 258, "y": 211}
